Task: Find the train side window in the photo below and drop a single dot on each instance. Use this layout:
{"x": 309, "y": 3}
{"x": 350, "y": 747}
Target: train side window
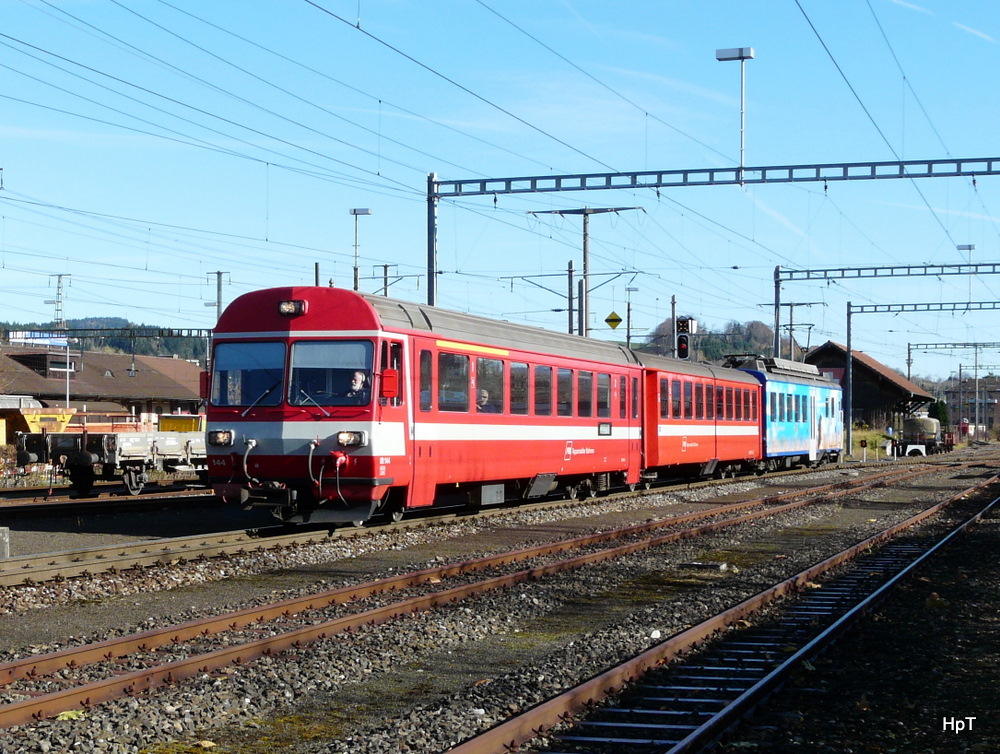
{"x": 518, "y": 388}
{"x": 489, "y": 378}
{"x": 543, "y": 391}
{"x": 688, "y": 400}
{"x": 709, "y": 401}
{"x": 773, "y": 413}
{"x": 426, "y": 379}
{"x": 664, "y": 399}
{"x": 453, "y": 382}
{"x": 747, "y": 405}
{"x": 622, "y": 397}
{"x": 585, "y": 394}
{"x": 729, "y": 403}
{"x": 603, "y": 395}
{"x": 789, "y": 416}
{"x": 564, "y": 392}
{"x": 720, "y": 403}
{"x": 635, "y": 397}
{"x": 699, "y": 401}
{"x": 675, "y": 398}
{"x": 738, "y": 407}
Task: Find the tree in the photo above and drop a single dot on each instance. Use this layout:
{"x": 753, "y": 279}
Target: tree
{"x": 939, "y": 410}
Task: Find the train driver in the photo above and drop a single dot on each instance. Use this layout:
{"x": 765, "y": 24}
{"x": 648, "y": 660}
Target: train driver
{"x": 359, "y": 392}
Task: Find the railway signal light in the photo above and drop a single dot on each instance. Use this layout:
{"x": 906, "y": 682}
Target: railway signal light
{"x": 682, "y": 346}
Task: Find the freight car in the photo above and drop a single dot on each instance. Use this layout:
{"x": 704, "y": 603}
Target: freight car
{"x": 85, "y": 457}
{"x": 921, "y": 436}
{"x": 331, "y": 405}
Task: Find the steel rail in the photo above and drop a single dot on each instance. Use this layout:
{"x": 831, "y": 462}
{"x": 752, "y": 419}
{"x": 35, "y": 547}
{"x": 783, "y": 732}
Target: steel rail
{"x": 24, "y": 711}
{"x": 509, "y": 735}
{"x": 33, "y": 569}
{"x": 740, "y": 706}
{"x": 75, "y": 656}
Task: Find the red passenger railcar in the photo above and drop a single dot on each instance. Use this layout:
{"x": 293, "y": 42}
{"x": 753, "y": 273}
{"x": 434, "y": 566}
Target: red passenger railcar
{"x": 327, "y": 404}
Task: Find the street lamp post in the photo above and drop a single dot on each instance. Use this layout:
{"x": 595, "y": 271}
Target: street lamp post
{"x": 742, "y": 54}
{"x": 357, "y": 271}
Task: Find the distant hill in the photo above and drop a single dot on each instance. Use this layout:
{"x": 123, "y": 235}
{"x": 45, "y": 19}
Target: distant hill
{"x": 183, "y": 348}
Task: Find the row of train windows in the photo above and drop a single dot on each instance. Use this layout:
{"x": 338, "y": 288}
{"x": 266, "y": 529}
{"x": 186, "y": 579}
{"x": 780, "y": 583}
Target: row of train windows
{"x": 520, "y": 388}
{"x": 695, "y": 400}
{"x": 795, "y": 408}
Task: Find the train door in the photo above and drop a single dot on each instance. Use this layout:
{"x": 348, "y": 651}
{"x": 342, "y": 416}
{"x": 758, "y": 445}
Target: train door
{"x": 423, "y": 422}
{"x": 814, "y": 427}
{"x": 392, "y": 426}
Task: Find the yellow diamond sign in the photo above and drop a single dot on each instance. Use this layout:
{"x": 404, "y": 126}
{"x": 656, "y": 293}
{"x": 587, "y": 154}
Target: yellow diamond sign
{"x": 613, "y": 320}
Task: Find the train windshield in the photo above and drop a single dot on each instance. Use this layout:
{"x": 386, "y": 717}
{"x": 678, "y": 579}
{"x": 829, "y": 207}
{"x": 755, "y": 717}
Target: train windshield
{"x": 248, "y": 374}
{"x": 331, "y": 373}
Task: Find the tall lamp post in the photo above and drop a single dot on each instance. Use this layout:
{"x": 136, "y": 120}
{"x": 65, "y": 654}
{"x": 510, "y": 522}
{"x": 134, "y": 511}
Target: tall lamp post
{"x": 357, "y": 271}
{"x": 742, "y": 54}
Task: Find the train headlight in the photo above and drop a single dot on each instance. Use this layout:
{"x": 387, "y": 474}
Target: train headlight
{"x": 348, "y": 439}
{"x": 292, "y": 308}
{"x": 221, "y": 438}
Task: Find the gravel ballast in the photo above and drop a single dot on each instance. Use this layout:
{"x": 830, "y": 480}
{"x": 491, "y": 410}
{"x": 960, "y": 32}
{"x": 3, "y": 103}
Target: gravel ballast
{"x": 423, "y": 683}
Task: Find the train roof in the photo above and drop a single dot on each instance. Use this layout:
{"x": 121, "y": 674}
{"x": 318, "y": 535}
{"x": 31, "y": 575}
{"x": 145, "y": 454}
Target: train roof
{"x": 257, "y": 312}
{"x": 781, "y": 370}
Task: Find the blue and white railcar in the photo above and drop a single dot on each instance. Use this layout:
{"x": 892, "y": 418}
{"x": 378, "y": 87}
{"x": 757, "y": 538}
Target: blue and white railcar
{"x": 802, "y": 412}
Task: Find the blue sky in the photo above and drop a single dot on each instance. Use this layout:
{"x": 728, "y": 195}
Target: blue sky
{"x": 147, "y": 144}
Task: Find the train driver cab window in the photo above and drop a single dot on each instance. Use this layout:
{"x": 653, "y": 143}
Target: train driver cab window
{"x": 564, "y": 392}
{"x": 392, "y": 358}
{"x": 248, "y": 374}
{"x": 489, "y": 386}
{"x": 518, "y": 388}
{"x": 453, "y": 382}
{"x": 331, "y": 373}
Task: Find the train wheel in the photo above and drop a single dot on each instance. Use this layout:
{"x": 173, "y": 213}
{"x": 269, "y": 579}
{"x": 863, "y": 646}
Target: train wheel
{"x": 572, "y": 491}
{"x": 132, "y": 478}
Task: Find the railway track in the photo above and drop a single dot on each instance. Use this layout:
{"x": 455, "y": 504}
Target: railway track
{"x": 131, "y": 664}
{"x": 686, "y": 692}
{"x": 57, "y": 566}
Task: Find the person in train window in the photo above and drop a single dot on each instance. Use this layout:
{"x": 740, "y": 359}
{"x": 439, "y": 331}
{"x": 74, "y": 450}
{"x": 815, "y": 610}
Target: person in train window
{"x": 358, "y": 393}
{"x": 483, "y": 404}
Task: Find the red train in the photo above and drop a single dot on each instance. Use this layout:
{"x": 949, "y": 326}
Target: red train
{"x": 330, "y": 405}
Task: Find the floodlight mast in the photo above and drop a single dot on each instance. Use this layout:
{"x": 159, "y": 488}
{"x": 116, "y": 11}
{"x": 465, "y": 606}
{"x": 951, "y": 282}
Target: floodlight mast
{"x": 742, "y": 54}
